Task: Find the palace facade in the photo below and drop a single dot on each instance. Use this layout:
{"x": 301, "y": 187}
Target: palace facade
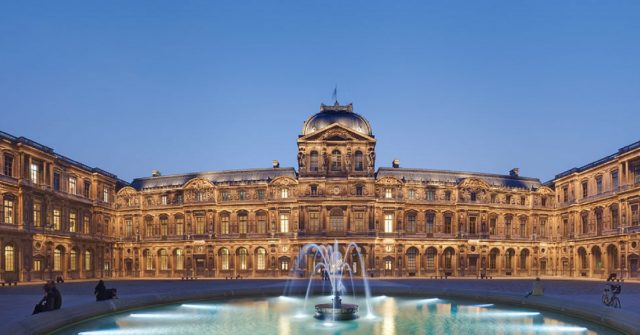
{"x": 60, "y": 217}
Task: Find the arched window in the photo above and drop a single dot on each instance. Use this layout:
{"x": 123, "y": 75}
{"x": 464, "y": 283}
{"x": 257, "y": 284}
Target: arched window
{"x": 242, "y": 223}
{"x": 164, "y": 259}
{"x": 9, "y": 258}
{"x": 493, "y": 259}
{"x": 242, "y": 258}
{"x": 336, "y": 160}
{"x": 224, "y": 259}
{"x": 582, "y": 255}
{"x": 313, "y": 161}
{"x": 148, "y": 260}
{"x": 411, "y": 223}
{"x": 73, "y": 260}
{"x": 524, "y": 256}
{"x": 448, "y": 257}
{"x": 358, "y": 161}
{"x": 336, "y": 219}
{"x": 412, "y": 254}
{"x": 224, "y": 223}
{"x": 261, "y": 222}
{"x": 88, "y": 260}
{"x": 261, "y": 259}
{"x": 431, "y": 259}
{"x": 57, "y": 259}
{"x": 179, "y": 259}
{"x": 508, "y": 259}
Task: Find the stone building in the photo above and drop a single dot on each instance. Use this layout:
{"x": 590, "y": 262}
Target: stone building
{"x": 61, "y": 217}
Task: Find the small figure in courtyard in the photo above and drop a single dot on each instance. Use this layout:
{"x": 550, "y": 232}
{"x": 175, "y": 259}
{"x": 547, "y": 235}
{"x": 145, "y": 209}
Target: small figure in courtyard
{"x": 612, "y": 276}
{"x": 59, "y": 280}
{"x": 102, "y": 293}
{"x": 46, "y": 303}
{"x": 536, "y": 289}
{"x": 57, "y": 297}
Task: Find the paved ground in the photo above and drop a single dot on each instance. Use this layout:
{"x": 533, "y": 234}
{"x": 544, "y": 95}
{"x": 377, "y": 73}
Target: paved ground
{"x": 16, "y": 303}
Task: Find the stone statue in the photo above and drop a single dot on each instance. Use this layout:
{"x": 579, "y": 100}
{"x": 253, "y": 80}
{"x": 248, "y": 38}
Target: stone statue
{"x": 301, "y": 158}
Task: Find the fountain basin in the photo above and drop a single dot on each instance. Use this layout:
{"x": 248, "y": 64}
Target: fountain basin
{"x": 337, "y": 313}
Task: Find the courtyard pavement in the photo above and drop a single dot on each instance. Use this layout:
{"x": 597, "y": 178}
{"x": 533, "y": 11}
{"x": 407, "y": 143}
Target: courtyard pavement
{"x": 16, "y": 303}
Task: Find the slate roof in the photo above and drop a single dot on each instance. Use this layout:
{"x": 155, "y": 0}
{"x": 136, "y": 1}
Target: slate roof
{"x": 445, "y": 176}
{"x": 600, "y": 161}
{"x": 216, "y": 177}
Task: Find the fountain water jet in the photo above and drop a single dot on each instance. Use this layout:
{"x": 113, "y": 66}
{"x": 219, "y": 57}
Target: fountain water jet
{"x": 333, "y": 266}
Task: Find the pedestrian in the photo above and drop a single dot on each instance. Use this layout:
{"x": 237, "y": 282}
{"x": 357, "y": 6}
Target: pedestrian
{"x": 57, "y": 297}
{"x": 536, "y": 288}
{"x": 46, "y": 303}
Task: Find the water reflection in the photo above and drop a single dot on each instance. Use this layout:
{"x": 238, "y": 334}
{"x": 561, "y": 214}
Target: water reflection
{"x": 283, "y": 315}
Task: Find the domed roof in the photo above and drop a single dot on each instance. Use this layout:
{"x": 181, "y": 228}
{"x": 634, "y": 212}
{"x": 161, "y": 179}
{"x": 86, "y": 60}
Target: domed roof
{"x": 342, "y": 115}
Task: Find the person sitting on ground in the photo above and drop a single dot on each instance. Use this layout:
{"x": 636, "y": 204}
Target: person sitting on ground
{"x": 103, "y": 293}
{"x": 612, "y": 276}
{"x": 536, "y": 289}
{"x": 46, "y": 303}
{"x": 57, "y": 297}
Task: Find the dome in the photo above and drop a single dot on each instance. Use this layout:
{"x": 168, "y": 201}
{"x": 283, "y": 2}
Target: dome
{"x": 342, "y": 115}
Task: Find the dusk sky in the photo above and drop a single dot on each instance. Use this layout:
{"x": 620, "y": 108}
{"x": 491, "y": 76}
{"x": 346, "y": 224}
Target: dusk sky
{"x": 185, "y": 86}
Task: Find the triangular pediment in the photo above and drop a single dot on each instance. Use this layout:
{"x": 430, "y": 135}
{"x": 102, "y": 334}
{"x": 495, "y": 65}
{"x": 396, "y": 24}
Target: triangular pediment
{"x": 336, "y": 132}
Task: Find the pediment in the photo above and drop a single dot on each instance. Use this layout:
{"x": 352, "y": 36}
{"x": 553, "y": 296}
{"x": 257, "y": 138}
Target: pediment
{"x": 389, "y": 181}
{"x": 473, "y": 183}
{"x": 545, "y": 190}
{"x": 127, "y": 191}
{"x": 198, "y": 183}
{"x": 336, "y": 132}
{"x": 284, "y": 181}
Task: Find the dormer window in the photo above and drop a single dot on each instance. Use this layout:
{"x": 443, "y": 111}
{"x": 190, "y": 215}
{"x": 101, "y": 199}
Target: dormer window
{"x": 242, "y": 195}
{"x": 388, "y": 193}
{"x": 359, "y": 190}
{"x": 411, "y": 194}
{"x": 105, "y": 194}
{"x": 314, "y": 190}
{"x": 199, "y": 196}
{"x": 165, "y": 199}
{"x": 358, "y": 161}
{"x": 473, "y": 196}
{"x": 284, "y": 193}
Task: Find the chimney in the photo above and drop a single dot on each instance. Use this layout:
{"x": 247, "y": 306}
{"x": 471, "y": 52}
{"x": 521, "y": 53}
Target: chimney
{"x": 155, "y": 173}
{"x": 395, "y": 163}
{"x": 275, "y": 164}
{"x": 515, "y": 172}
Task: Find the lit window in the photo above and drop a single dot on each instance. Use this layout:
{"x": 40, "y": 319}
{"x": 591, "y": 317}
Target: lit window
{"x": 86, "y": 228}
{"x": 224, "y": 259}
{"x": 73, "y": 225}
{"x": 199, "y": 225}
{"x": 359, "y": 222}
{"x": 388, "y": 193}
{"x": 411, "y": 194}
{"x": 37, "y": 214}
{"x": 261, "y": 219}
{"x": 35, "y": 172}
{"x": 73, "y": 260}
{"x": 9, "y": 259}
{"x": 105, "y": 194}
{"x": 261, "y": 259}
{"x": 179, "y": 225}
{"x": 242, "y": 258}
{"x": 148, "y": 260}
{"x": 8, "y": 211}
{"x": 164, "y": 260}
{"x": 179, "y": 259}
{"x": 56, "y": 219}
{"x": 242, "y": 223}
{"x": 57, "y": 259}
{"x": 72, "y": 185}
{"x": 164, "y": 199}
{"x": 128, "y": 227}
{"x": 284, "y": 193}
{"x": 388, "y": 264}
{"x": 388, "y": 223}
{"x": 336, "y": 160}
{"x": 284, "y": 264}
{"x": 224, "y": 224}
{"x": 284, "y": 223}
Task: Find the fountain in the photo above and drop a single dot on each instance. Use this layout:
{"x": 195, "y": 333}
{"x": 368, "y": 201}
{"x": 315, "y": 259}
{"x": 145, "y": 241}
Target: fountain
{"x": 334, "y": 266}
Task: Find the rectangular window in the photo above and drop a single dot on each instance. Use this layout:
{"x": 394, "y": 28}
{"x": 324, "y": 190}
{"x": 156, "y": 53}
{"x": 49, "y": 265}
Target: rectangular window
{"x": 359, "y": 190}
{"x": 565, "y": 194}
{"x": 493, "y": 198}
{"x": 73, "y": 260}
{"x": 8, "y": 165}
{"x": 585, "y": 189}
{"x": 314, "y": 190}
{"x": 284, "y": 194}
{"x": 634, "y": 215}
{"x": 314, "y": 222}
{"x": 543, "y": 227}
{"x": 615, "y": 183}
{"x": 523, "y": 201}
{"x": 508, "y": 199}
{"x": 430, "y": 220}
{"x": 388, "y": 223}
{"x": 199, "y": 225}
{"x": 411, "y": 194}
{"x": 359, "y": 221}
{"x": 447, "y": 224}
{"x": 284, "y": 223}
{"x": 523, "y": 228}
{"x": 431, "y": 195}
{"x": 636, "y": 174}
{"x": 261, "y": 218}
{"x": 614, "y": 217}
{"x": 472, "y": 224}
{"x": 56, "y": 219}
{"x": 492, "y": 225}
{"x": 164, "y": 199}
{"x": 242, "y": 195}
{"x": 37, "y": 265}
{"x": 164, "y": 225}
{"x": 128, "y": 227}
{"x": 598, "y": 184}
{"x": 37, "y": 214}
{"x": 507, "y": 226}
{"x": 388, "y": 264}
{"x": 72, "y": 185}
{"x": 180, "y": 226}
{"x": 225, "y": 196}
{"x": 105, "y": 194}
{"x": 86, "y": 228}
{"x": 87, "y": 189}
{"x": 473, "y": 196}
{"x": 35, "y": 172}
{"x": 260, "y": 194}
{"x": 73, "y": 225}
{"x": 179, "y": 198}
{"x": 242, "y": 224}
{"x": 8, "y": 211}
{"x": 199, "y": 196}
{"x": 447, "y": 195}
{"x": 388, "y": 193}
{"x": 543, "y": 201}
{"x": 224, "y": 224}
{"x": 56, "y": 181}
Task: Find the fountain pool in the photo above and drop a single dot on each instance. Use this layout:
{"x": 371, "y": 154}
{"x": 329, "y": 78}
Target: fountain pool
{"x": 287, "y": 316}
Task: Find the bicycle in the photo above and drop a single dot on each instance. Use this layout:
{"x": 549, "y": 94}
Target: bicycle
{"x": 610, "y": 296}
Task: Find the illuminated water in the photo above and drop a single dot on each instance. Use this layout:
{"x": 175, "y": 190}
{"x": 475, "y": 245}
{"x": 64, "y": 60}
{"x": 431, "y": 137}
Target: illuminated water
{"x": 284, "y": 315}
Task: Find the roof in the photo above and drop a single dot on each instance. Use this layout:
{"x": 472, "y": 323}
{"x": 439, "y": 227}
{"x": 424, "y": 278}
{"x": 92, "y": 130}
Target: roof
{"x": 445, "y": 176}
{"x": 48, "y": 150}
{"x": 600, "y": 161}
{"x": 215, "y": 177}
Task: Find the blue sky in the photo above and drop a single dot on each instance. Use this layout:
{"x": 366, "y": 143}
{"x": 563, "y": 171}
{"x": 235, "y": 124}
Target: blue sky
{"x": 184, "y": 86}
